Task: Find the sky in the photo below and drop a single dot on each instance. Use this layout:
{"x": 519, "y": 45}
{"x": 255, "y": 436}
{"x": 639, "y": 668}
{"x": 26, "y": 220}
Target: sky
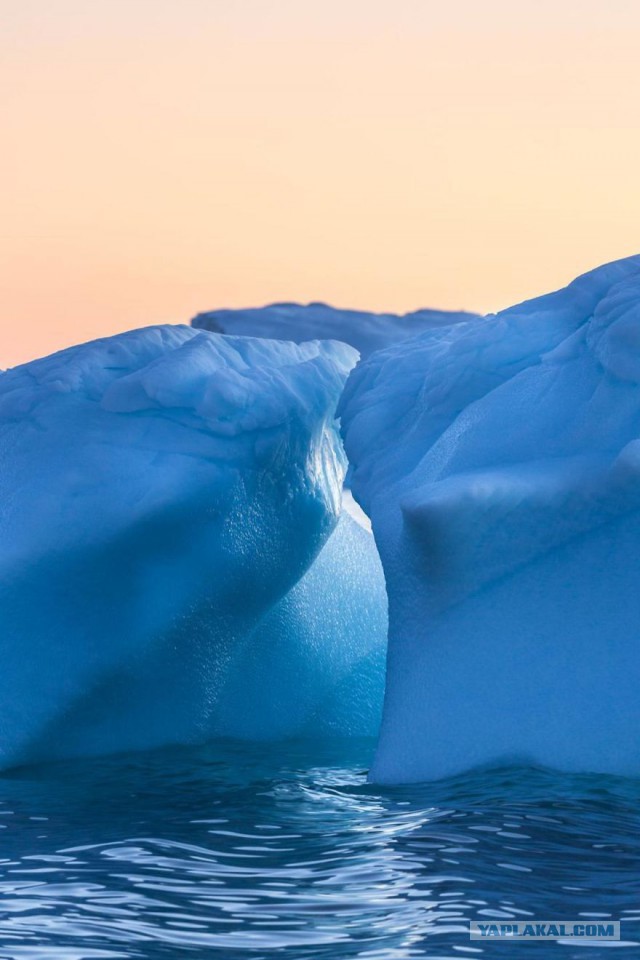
{"x": 163, "y": 157}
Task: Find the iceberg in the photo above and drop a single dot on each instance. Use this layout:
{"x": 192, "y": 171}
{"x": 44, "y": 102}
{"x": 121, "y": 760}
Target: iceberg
{"x": 174, "y": 565}
{"x": 499, "y": 461}
{"x": 298, "y": 322}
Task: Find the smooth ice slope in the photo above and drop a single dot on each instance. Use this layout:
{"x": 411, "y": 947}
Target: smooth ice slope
{"x": 499, "y": 461}
{"x": 164, "y": 495}
{"x": 298, "y": 322}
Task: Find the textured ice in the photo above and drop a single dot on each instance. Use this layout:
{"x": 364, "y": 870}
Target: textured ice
{"x": 168, "y": 566}
{"x": 499, "y": 461}
{"x": 298, "y": 322}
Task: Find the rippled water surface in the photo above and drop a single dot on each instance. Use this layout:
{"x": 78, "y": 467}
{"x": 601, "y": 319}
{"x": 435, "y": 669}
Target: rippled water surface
{"x": 264, "y": 851}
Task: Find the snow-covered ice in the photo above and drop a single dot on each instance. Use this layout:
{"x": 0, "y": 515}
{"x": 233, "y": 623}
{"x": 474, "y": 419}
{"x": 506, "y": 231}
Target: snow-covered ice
{"x": 499, "y": 461}
{"x": 299, "y": 322}
{"x": 169, "y": 569}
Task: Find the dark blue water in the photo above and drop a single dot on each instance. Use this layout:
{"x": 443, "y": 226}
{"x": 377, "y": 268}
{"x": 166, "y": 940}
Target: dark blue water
{"x": 285, "y": 851}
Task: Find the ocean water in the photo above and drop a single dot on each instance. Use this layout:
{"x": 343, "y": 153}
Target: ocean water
{"x": 258, "y": 851}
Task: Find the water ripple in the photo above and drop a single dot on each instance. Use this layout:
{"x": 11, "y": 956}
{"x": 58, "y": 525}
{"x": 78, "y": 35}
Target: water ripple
{"x": 241, "y": 852}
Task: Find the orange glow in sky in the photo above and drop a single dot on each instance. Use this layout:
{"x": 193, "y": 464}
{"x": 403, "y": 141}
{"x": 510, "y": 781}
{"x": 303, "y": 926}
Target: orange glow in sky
{"x": 162, "y": 157}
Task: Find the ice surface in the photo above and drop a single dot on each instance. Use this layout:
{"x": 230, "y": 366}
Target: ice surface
{"x": 499, "y": 461}
{"x": 298, "y": 322}
{"x": 168, "y": 571}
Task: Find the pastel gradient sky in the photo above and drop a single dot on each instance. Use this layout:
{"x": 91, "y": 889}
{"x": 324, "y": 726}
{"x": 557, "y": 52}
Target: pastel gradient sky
{"x": 162, "y": 157}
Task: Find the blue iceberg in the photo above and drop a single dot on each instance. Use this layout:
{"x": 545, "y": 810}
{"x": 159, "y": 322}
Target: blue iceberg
{"x": 499, "y": 461}
{"x": 173, "y": 562}
{"x": 299, "y": 322}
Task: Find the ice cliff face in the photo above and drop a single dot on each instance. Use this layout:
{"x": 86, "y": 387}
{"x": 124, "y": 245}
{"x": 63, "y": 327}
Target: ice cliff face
{"x": 299, "y": 322}
{"x": 499, "y": 461}
{"x": 167, "y": 503}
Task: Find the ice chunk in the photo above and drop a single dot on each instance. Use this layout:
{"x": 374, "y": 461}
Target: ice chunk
{"x": 164, "y": 495}
{"x": 298, "y": 322}
{"x": 499, "y": 461}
